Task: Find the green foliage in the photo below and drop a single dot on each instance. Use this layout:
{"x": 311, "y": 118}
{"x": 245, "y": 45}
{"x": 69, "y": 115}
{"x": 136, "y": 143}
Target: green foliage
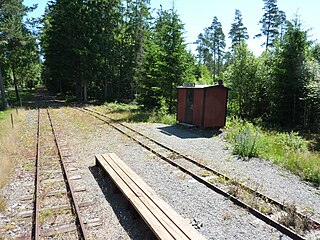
{"x": 244, "y": 138}
{"x": 19, "y": 57}
{"x": 286, "y": 149}
{"x": 115, "y": 106}
{"x": 203, "y": 75}
{"x": 245, "y": 143}
{"x": 93, "y": 48}
{"x": 132, "y": 113}
{"x": 166, "y": 63}
{"x": 241, "y": 77}
{"x": 289, "y": 77}
{"x": 292, "y": 141}
{"x": 238, "y": 32}
{"x": 211, "y": 45}
{"x": 4, "y": 114}
{"x": 272, "y": 22}
{"x": 312, "y": 97}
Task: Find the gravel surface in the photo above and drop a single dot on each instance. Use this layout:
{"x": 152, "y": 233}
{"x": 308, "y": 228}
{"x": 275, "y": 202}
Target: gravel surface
{"x": 20, "y": 184}
{"x": 213, "y": 215}
{"x": 269, "y": 178}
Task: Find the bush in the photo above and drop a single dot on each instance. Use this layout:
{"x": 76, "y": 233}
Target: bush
{"x": 291, "y": 141}
{"x": 243, "y": 137}
{"x": 246, "y": 143}
{"x": 286, "y": 149}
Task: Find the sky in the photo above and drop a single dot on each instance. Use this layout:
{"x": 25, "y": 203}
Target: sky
{"x": 198, "y": 14}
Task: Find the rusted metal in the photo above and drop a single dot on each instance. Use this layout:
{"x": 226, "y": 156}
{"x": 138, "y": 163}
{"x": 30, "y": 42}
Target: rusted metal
{"x": 71, "y": 191}
{"x": 36, "y": 228}
{"x": 79, "y": 225}
{"x": 287, "y": 231}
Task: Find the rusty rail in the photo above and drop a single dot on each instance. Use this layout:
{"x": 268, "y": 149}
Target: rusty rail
{"x": 36, "y": 229}
{"x": 287, "y": 231}
{"x": 36, "y": 232}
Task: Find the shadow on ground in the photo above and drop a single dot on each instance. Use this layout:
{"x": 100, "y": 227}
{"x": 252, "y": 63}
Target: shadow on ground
{"x": 187, "y": 133}
{"x": 128, "y": 217}
{"x": 40, "y": 98}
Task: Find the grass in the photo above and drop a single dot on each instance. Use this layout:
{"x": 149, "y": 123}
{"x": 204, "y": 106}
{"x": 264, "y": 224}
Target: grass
{"x": 132, "y": 113}
{"x": 285, "y": 149}
{"x": 9, "y": 139}
{"x": 3, "y": 204}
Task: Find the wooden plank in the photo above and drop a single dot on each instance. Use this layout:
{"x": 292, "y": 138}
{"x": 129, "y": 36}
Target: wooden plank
{"x": 147, "y": 216}
{"x": 149, "y": 204}
{"x": 58, "y": 230}
{"x": 176, "y": 218}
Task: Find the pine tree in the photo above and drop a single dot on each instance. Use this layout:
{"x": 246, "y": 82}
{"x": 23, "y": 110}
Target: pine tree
{"x": 136, "y": 14}
{"x": 217, "y": 42}
{"x": 238, "y": 32}
{"x": 241, "y": 77}
{"x": 211, "y": 47}
{"x": 173, "y": 55}
{"x": 205, "y": 56}
{"x": 18, "y": 45}
{"x": 165, "y": 62}
{"x": 271, "y": 21}
{"x": 290, "y": 76}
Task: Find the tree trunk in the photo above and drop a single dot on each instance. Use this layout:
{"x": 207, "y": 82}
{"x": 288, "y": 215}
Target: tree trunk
{"x": 3, "y": 93}
{"x": 85, "y": 94}
{"x": 15, "y": 84}
{"x": 105, "y": 95}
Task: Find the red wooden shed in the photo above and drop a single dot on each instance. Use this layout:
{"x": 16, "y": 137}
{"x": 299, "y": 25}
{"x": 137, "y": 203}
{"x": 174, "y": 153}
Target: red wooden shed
{"x": 203, "y": 105}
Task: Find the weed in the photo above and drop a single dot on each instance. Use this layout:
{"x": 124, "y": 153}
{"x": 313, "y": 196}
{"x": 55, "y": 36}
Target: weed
{"x": 245, "y": 143}
{"x": 227, "y": 216}
{"x": 173, "y": 156}
{"x": 288, "y": 150}
{"x": 27, "y": 167}
{"x": 3, "y": 204}
{"x": 219, "y": 179}
{"x": 45, "y": 214}
{"x": 291, "y": 219}
{"x": 9, "y": 227}
{"x": 205, "y": 174}
{"x": 265, "y": 209}
{"x": 234, "y": 190}
{"x": 115, "y": 106}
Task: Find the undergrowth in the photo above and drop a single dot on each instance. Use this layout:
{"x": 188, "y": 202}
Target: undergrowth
{"x": 132, "y": 113}
{"x": 9, "y": 138}
{"x": 286, "y": 149}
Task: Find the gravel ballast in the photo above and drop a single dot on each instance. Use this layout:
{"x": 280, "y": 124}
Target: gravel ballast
{"x": 267, "y": 177}
{"x": 215, "y": 216}
{"x": 211, "y": 214}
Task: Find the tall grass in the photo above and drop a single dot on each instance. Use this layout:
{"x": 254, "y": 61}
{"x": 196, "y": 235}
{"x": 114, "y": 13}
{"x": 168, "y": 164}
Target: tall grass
{"x": 286, "y": 149}
{"x": 132, "y": 113}
{"x": 9, "y": 139}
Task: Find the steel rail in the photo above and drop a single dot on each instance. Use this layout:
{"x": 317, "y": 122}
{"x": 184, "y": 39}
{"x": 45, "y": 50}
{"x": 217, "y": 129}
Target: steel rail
{"x": 36, "y": 228}
{"x": 287, "y": 231}
{"x": 81, "y": 227}
{"x": 236, "y": 183}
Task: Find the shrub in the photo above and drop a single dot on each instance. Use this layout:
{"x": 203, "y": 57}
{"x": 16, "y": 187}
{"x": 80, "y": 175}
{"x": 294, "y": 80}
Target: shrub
{"x": 245, "y": 144}
{"x": 286, "y": 149}
{"x": 243, "y": 137}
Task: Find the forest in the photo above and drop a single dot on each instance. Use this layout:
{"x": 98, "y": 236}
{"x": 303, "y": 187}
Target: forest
{"x": 124, "y": 51}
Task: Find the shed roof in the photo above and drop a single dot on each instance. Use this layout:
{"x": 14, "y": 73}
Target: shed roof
{"x": 204, "y": 86}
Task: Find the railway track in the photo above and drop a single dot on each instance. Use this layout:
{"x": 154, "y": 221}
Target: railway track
{"x": 56, "y": 208}
{"x": 283, "y": 217}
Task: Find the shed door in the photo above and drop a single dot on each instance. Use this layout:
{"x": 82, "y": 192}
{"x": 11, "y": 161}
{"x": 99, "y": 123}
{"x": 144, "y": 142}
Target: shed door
{"x": 189, "y": 106}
